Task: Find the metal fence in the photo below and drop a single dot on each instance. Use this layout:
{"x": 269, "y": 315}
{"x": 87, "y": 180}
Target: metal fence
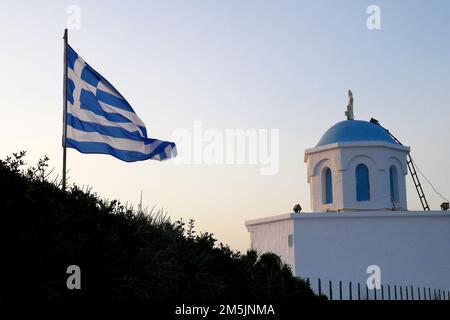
{"x": 356, "y": 291}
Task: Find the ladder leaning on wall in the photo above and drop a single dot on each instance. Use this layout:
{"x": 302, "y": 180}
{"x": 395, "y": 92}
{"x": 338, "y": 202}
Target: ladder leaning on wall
{"x": 412, "y": 170}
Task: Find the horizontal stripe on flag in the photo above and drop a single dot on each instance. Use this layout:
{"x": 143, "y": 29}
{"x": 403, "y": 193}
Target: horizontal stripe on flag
{"x": 87, "y": 115}
{"x": 113, "y": 100}
{"x": 147, "y": 146}
{"x": 128, "y": 115}
{"x": 110, "y": 90}
{"x": 111, "y": 131}
{"x": 89, "y": 102}
{"x": 124, "y": 155}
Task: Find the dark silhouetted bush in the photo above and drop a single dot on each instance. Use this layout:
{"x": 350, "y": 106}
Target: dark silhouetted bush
{"x": 124, "y": 254}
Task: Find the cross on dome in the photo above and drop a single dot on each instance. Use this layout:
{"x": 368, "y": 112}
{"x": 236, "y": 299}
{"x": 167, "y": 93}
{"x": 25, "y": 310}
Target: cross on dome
{"x": 349, "y": 112}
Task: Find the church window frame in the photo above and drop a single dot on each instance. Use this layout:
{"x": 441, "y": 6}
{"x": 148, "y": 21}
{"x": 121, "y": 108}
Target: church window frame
{"x": 327, "y": 186}
{"x": 362, "y": 182}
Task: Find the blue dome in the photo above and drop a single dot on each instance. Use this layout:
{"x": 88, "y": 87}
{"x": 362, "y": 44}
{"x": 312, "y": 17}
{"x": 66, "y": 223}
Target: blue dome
{"x": 355, "y": 130}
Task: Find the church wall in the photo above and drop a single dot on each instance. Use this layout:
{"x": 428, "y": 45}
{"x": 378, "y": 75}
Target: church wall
{"x": 411, "y": 248}
{"x": 342, "y": 159}
{"x": 378, "y": 161}
{"x": 316, "y": 164}
{"x": 274, "y": 237}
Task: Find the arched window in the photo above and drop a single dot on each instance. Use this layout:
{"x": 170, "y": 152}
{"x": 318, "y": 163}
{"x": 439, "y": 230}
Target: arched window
{"x": 362, "y": 183}
{"x": 327, "y": 183}
{"x": 393, "y": 182}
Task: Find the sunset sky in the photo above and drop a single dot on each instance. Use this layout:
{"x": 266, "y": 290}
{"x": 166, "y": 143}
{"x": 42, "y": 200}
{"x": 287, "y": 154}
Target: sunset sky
{"x": 283, "y": 65}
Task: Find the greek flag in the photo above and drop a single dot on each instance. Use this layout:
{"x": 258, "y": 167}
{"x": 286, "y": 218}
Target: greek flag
{"x": 100, "y": 120}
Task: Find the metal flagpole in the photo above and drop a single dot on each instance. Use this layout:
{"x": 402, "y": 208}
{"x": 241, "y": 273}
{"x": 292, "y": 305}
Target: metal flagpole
{"x": 65, "y": 111}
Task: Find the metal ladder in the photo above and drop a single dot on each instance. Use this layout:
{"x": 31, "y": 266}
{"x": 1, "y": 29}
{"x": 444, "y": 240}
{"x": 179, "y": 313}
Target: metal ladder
{"x": 412, "y": 170}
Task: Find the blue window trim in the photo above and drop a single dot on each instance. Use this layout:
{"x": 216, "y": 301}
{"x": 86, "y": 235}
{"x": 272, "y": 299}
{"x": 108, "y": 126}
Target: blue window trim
{"x": 393, "y": 183}
{"x": 327, "y": 186}
{"x": 362, "y": 183}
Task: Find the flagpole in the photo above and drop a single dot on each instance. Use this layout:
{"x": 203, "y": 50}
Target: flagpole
{"x": 65, "y": 111}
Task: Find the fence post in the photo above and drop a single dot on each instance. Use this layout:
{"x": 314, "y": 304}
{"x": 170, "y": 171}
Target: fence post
{"x": 412, "y": 293}
{"x": 406, "y": 288}
{"x": 440, "y": 294}
{"x": 340, "y": 290}
{"x": 401, "y": 292}
{"x": 429, "y": 294}
{"x": 389, "y": 291}
{"x": 359, "y": 291}
{"x": 330, "y": 287}
{"x": 382, "y": 292}
{"x": 395, "y": 290}
{"x": 375, "y": 293}
{"x": 418, "y": 291}
{"x": 320, "y": 287}
{"x": 367, "y": 292}
{"x": 435, "y": 295}
{"x": 424, "y": 293}
{"x": 350, "y": 290}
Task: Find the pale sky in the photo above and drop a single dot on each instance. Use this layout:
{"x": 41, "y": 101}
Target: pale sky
{"x": 283, "y": 65}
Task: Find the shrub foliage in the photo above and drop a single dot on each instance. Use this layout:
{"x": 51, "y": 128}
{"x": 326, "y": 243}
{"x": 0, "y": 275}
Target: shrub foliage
{"x": 123, "y": 253}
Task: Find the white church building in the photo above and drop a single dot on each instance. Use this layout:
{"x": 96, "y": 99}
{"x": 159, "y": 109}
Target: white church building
{"x": 360, "y": 217}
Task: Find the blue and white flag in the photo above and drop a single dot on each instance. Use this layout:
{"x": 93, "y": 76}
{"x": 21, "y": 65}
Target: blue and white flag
{"x": 100, "y": 120}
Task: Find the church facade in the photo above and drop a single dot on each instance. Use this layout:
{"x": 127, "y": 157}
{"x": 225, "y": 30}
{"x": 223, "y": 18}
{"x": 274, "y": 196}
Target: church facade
{"x": 360, "y": 217}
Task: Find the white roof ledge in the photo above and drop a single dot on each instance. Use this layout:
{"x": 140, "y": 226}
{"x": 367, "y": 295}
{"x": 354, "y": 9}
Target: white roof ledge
{"x": 353, "y": 214}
